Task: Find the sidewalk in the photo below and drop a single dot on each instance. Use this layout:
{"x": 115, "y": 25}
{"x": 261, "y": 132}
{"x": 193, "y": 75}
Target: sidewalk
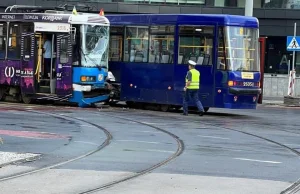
{"x": 272, "y": 101}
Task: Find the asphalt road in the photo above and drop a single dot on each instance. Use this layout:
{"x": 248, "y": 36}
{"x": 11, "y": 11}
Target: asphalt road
{"x": 246, "y": 151}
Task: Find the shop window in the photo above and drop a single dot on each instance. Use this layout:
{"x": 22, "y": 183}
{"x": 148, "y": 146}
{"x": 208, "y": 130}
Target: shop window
{"x": 196, "y": 43}
{"x": 3, "y": 31}
{"x": 136, "y": 44}
{"x": 14, "y": 42}
{"x": 116, "y": 44}
{"x": 277, "y": 57}
{"x": 161, "y": 48}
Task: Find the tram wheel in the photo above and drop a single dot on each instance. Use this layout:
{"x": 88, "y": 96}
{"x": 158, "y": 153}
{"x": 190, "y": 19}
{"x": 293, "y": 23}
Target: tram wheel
{"x": 26, "y": 99}
{"x": 130, "y": 104}
{"x": 164, "y": 107}
{"x": 206, "y": 109}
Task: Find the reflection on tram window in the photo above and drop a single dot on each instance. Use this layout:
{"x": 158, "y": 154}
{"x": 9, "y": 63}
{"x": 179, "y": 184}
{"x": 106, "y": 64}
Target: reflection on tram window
{"x": 161, "y": 48}
{"x": 241, "y": 49}
{"x": 136, "y": 44}
{"x": 221, "y": 62}
{"x": 196, "y": 43}
{"x": 2, "y": 40}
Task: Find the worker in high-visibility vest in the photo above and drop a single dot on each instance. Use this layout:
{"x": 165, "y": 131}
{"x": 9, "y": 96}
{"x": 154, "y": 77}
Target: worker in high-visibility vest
{"x": 192, "y": 83}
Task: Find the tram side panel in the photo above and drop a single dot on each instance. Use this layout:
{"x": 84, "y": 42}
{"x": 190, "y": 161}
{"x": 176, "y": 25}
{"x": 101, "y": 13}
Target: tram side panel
{"x": 10, "y": 69}
{"x": 147, "y": 82}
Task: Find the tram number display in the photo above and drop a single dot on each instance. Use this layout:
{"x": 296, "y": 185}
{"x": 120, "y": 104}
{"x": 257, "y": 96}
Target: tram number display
{"x": 248, "y": 84}
{"x": 51, "y": 27}
{"x": 62, "y": 28}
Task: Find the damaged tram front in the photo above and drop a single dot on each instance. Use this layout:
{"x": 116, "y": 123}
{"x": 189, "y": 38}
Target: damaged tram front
{"x": 54, "y": 56}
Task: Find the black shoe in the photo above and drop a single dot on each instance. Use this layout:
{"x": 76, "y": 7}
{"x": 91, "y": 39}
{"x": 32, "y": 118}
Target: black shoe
{"x": 201, "y": 113}
{"x": 185, "y": 114}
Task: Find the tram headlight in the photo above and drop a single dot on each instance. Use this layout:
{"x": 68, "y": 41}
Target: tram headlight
{"x": 88, "y": 78}
{"x": 100, "y": 77}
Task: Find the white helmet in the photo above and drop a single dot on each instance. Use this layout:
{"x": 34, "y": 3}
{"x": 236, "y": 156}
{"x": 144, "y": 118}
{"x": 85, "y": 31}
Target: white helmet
{"x": 191, "y": 62}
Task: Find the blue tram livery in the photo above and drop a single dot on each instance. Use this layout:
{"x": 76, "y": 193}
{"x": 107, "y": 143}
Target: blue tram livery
{"x": 72, "y": 66}
{"x": 149, "y": 55}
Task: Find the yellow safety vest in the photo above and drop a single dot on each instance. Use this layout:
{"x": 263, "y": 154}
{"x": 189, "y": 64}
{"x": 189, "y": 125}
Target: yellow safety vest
{"x": 195, "y": 82}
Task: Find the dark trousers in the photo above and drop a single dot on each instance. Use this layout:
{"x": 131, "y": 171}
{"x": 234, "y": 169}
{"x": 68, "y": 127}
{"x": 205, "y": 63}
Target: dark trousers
{"x": 191, "y": 95}
{"x": 47, "y": 67}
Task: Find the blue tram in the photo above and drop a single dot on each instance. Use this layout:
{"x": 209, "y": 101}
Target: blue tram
{"x": 149, "y": 55}
{"x": 77, "y": 59}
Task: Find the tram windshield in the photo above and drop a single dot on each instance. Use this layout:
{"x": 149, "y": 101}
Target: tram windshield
{"x": 94, "y": 45}
{"x": 241, "y": 49}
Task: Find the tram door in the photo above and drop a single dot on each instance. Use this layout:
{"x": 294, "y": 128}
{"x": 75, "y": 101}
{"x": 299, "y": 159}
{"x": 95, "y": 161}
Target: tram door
{"x": 44, "y": 65}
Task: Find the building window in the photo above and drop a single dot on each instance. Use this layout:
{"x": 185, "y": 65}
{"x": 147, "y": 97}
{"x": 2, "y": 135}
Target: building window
{"x": 159, "y": 2}
{"x": 281, "y": 4}
{"x": 3, "y": 30}
{"x": 196, "y": 43}
{"x": 136, "y": 44}
{"x": 116, "y": 44}
{"x": 237, "y": 3}
{"x": 277, "y": 57}
{"x": 161, "y": 48}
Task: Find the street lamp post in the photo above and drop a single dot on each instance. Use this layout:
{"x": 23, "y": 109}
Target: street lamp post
{"x": 249, "y": 8}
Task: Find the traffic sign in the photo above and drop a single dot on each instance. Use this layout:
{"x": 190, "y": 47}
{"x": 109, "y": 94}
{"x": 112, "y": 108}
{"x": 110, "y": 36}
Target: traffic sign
{"x": 292, "y": 43}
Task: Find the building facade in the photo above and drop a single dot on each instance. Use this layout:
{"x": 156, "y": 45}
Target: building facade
{"x": 276, "y": 17}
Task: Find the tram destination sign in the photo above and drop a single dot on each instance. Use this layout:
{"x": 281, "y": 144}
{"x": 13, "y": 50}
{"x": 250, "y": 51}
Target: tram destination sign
{"x": 35, "y": 17}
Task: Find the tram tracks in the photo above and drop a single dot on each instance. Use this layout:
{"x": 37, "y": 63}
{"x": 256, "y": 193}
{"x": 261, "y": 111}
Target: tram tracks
{"x": 178, "y": 152}
{"x": 292, "y": 189}
{"x": 105, "y": 143}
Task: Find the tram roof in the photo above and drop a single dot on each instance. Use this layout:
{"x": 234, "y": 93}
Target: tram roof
{"x": 190, "y": 19}
{"x": 81, "y": 18}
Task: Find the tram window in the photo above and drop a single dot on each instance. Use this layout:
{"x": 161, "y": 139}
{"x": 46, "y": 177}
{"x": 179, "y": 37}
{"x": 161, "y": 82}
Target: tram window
{"x": 63, "y": 53}
{"x": 27, "y": 45}
{"x": 161, "y": 48}
{"x": 14, "y": 42}
{"x": 196, "y": 43}
{"x": 2, "y": 40}
{"x": 116, "y": 44}
{"x": 221, "y": 62}
{"x": 136, "y": 44}
{"x": 28, "y": 28}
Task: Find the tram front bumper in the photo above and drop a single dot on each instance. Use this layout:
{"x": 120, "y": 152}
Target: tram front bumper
{"x": 244, "y": 91}
{"x": 82, "y": 88}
